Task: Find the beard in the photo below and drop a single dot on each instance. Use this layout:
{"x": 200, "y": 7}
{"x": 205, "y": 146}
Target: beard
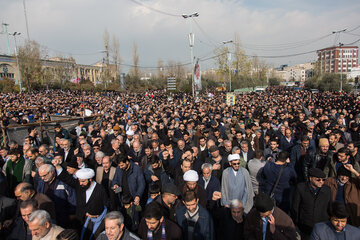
{"x": 85, "y": 187}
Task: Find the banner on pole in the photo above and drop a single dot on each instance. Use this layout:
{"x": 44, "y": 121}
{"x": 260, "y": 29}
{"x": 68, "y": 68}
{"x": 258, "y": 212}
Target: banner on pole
{"x": 197, "y": 77}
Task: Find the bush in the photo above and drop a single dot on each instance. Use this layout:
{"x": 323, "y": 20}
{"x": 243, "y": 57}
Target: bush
{"x": 7, "y": 85}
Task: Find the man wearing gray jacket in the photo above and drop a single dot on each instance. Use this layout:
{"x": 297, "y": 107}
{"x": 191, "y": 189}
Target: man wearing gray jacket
{"x": 236, "y": 184}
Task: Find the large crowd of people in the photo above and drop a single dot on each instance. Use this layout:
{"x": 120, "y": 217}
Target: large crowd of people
{"x": 281, "y": 164}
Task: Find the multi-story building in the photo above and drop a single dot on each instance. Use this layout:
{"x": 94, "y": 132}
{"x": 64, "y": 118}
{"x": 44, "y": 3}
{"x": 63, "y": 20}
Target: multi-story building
{"x": 296, "y": 73}
{"x": 338, "y": 59}
{"x": 70, "y": 69}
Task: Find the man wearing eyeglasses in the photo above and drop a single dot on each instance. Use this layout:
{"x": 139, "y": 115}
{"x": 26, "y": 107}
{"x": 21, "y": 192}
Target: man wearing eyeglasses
{"x": 63, "y": 196}
{"x": 311, "y": 202}
{"x": 236, "y": 184}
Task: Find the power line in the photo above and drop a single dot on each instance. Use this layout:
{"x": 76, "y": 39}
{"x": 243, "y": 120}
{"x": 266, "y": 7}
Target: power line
{"x": 205, "y": 34}
{"x": 353, "y": 29}
{"x": 156, "y": 10}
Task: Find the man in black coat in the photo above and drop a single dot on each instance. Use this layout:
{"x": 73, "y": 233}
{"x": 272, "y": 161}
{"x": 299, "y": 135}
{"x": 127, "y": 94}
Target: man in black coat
{"x": 91, "y": 198}
{"x": 155, "y": 226}
{"x": 209, "y": 182}
{"x": 20, "y": 229}
{"x": 311, "y": 203}
{"x": 228, "y": 222}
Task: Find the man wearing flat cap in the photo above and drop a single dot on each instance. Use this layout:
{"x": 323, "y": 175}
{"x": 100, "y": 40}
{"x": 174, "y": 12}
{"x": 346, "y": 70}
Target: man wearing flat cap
{"x": 217, "y": 161}
{"x": 311, "y": 202}
{"x": 168, "y": 200}
{"x": 337, "y": 228}
{"x": 268, "y": 222}
{"x": 91, "y": 198}
{"x": 236, "y": 184}
{"x": 346, "y": 189}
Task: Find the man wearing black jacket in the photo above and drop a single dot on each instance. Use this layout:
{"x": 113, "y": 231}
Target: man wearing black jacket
{"x": 311, "y": 202}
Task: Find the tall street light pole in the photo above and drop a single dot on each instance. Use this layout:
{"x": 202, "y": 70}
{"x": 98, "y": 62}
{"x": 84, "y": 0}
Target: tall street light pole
{"x": 341, "y": 69}
{"x": 191, "y": 44}
{"x": 229, "y": 62}
{"x": 26, "y": 21}
{"x": 341, "y": 54}
{"x": 18, "y": 78}
{"x": 5, "y": 25}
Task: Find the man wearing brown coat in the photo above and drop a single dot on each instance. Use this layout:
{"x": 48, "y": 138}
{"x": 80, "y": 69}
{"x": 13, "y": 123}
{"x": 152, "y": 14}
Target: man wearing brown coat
{"x": 346, "y": 189}
{"x": 268, "y": 222}
{"x": 104, "y": 176}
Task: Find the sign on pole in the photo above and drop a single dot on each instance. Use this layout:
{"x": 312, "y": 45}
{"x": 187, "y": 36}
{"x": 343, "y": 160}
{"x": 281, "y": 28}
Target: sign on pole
{"x": 171, "y": 84}
{"x": 197, "y": 77}
{"x": 230, "y": 99}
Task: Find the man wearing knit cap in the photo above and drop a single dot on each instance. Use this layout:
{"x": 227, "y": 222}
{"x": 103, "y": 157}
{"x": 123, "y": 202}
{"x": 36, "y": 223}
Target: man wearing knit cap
{"x": 337, "y": 228}
{"x": 191, "y": 179}
{"x": 91, "y": 198}
{"x": 267, "y": 221}
{"x": 236, "y": 184}
{"x": 311, "y": 202}
{"x": 320, "y": 158}
{"x": 346, "y": 189}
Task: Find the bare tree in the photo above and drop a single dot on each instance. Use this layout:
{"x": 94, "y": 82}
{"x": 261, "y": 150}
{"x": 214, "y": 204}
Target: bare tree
{"x": 106, "y": 39}
{"x": 160, "y": 69}
{"x": 116, "y": 55}
{"x": 175, "y": 69}
{"x": 30, "y": 64}
{"x": 241, "y": 62}
{"x": 135, "y": 72}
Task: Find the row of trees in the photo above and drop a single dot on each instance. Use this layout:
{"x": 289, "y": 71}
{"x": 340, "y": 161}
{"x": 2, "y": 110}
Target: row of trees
{"x": 243, "y": 71}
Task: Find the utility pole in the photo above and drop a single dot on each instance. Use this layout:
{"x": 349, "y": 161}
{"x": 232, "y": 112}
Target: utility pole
{"x": 26, "y": 21}
{"x": 7, "y": 37}
{"x": 191, "y": 44}
{"x": 229, "y": 61}
{"x": 340, "y": 55}
{"x": 18, "y": 77}
{"x": 341, "y": 72}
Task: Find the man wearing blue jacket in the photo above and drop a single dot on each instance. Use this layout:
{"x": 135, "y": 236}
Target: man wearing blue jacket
{"x": 63, "y": 196}
{"x": 194, "y": 220}
{"x": 129, "y": 180}
{"x": 337, "y": 228}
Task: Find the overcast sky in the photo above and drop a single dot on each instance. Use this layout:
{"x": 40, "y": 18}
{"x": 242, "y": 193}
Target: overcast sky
{"x": 266, "y": 28}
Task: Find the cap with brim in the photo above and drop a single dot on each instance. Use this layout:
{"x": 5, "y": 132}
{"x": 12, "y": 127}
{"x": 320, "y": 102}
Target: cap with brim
{"x": 191, "y": 176}
{"x": 263, "y": 203}
{"x": 56, "y": 154}
{"x": 342, "y": 171}
{"x": 315, "y": 172}
{"x": 206, "y": 130}
{"x": 85, "y": 173}
{"x": 171, "y": 188}
{"x": 72, "y": 164}
{"x": 339, "y": 210}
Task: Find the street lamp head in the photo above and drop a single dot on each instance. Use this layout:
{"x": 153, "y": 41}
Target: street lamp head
{"x": 14, "y": 34}
{"x": 226, "y": 42}
{"x": 196, "y": 14}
